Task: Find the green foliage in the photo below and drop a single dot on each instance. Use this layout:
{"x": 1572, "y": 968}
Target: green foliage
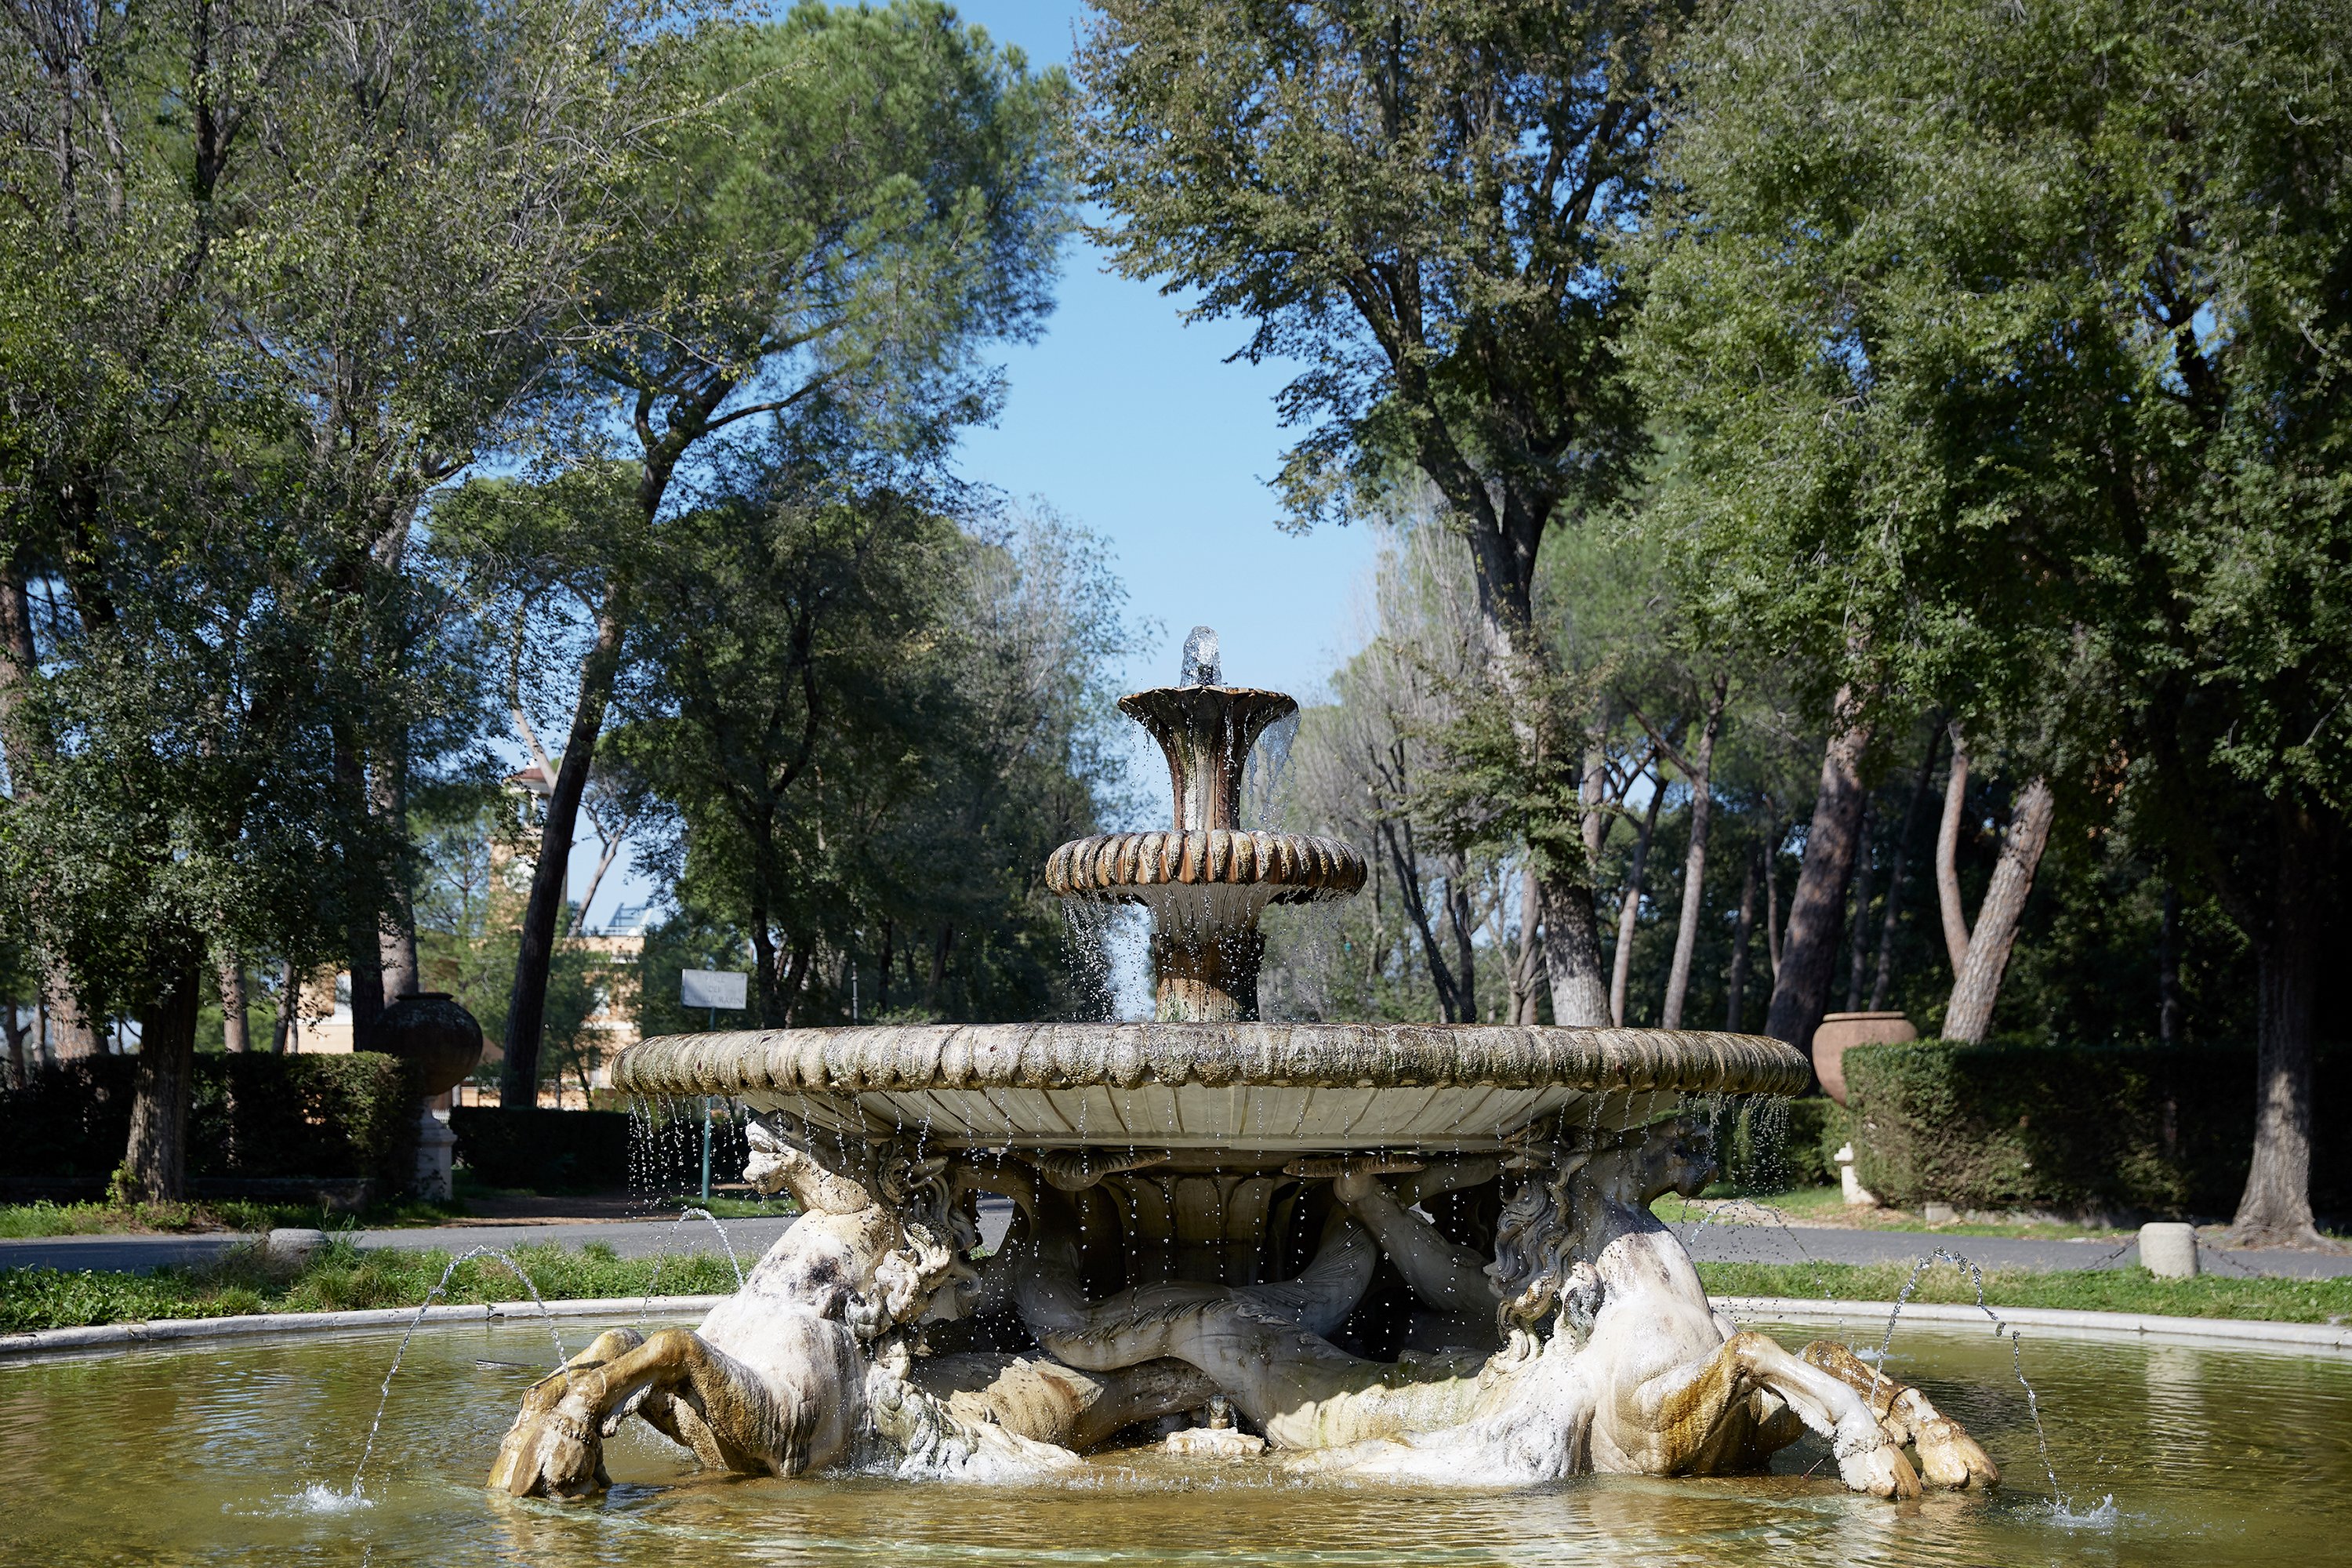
{"x": 2129, "y": 1129}
{"x": 1411, "y": 202}
{"x": 2064, "y": 1290}
{"x": 254, "y": 1115}
{"x": 341, "y": 1279}
{"x": 870, "y": 756}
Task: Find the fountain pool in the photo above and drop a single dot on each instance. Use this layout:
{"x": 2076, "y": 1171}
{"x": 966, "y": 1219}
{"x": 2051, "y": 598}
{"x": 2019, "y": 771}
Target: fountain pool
{"x": 202, "y": 1454}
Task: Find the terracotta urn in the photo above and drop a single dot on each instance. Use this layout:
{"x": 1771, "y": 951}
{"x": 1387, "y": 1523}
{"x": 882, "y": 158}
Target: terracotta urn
{"x": 1840, "y": 1030}
{"x": 429, "y": 1029}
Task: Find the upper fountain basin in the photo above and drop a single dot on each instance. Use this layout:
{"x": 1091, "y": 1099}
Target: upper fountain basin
{"x": 1274, "y": 1088}
{"x": 1294, "y": 869}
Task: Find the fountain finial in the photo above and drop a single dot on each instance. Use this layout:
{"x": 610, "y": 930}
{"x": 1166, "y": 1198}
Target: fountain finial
{"x": 1207, "y": 878}
{"x": 1200, "y": 663}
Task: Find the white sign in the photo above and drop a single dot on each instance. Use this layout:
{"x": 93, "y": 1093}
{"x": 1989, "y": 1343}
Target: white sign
{"x": 714, "y": 988}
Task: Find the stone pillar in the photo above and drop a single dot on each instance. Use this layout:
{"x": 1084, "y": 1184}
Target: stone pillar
{"x": 436, "y": 1151}
{"x": 2169, "y": 1250}
{"x": 1207, "y": 977}
{"x": 1855, "y": 1192}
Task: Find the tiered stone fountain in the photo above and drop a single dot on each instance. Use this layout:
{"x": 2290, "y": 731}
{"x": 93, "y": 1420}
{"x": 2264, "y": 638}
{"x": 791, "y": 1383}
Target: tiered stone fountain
{"x": 1392, "y": 1250}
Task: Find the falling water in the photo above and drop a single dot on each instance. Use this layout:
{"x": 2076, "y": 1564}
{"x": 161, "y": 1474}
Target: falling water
{"x": 1262, "y": 775}
{"x": 2061, "y": 1504}
{"x": 669, "y": 1250}
{"x": 383, "y": 1397}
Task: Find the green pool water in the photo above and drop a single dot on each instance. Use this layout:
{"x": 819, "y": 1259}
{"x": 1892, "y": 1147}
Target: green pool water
{"x": 235, "y": 1453}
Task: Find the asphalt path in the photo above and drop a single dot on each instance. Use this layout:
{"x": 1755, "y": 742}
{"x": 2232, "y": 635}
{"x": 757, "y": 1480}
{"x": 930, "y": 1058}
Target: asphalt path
{"x": 1720, "y": 1241}
{"x": 1725, "y": 1241}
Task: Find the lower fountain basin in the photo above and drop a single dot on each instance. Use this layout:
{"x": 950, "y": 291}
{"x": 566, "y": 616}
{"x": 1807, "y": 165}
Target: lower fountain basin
{"x": 1235, "y": 1087}
{"x": 207, "y": 1454}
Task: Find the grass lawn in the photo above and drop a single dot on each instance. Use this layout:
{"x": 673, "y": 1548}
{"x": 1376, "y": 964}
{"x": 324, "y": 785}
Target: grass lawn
{"x": 1827, "y": 1205}
{"x": 22, "y": 1221}
{"x": 2087, "y": 1290}
{"x": 340, "y": 1277}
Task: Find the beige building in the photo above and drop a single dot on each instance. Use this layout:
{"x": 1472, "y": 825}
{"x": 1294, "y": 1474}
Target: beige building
{"x": 323, "y": 1016}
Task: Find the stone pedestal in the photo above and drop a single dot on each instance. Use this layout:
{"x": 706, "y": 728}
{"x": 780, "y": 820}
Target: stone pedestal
{"x": 2169, "y": 1250}
{"x": 436, "y": 1151}
{"x": 1857, "y": 1195}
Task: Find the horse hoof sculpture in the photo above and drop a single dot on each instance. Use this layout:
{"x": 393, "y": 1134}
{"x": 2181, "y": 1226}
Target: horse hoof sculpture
{"x": 1415, "y": 1252}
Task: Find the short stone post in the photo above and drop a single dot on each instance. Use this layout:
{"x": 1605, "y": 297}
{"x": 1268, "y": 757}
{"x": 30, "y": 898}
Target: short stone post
{"x": 436, "y": 1152}
{"x": 1857, "y": 1195}
{"x": 2167, "y": 1249}
{"x": 293, "y": 1246}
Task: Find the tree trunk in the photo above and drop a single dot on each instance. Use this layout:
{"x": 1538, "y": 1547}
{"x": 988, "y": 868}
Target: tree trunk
{"x": 1571, "y": 952}
{"x": 1458, "y": 916}
{"x": 1969, "y": 1016}
{"x": 1702, "y": 815}
{"x": 1629, "y": 906}
{"x": 1743, "y": 939}
{"x": 363, "y": 936}
{"x": 17, "y": 1030}
{"x": 237, "y": 1033}
{"x": 2275, "y": 1208}
{"x": 1883, "y": 981}
{"x": 527, "y": 1004}
{"x": 1571, "y": 926}
{"x": 2167, "y": 970}
{"x": 1397, "y": 836}
{"x": 1800, "y": 990}
{"x": 1773, "y": 832}
{"x": 25, "y": 742}
{"x": 1857, "y": 931}
{"x": 1527, "y": 972}
{"x": 71, "y": 1033}
{"x": 1948, "y": 847}
{"x": 596, "y": 879}
{"x": 157, "y": 1162}
{"x": 397, "y": 941}
{"x": 285, "y": 1033}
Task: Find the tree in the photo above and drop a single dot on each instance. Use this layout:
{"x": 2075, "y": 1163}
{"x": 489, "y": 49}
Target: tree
{"x": 867, "y": 198}
{"x": 869, "y": 758}
{"x": 2024, "y": 332}
{"x": 1416, "y": 202}
{"x": 233, "y": 357}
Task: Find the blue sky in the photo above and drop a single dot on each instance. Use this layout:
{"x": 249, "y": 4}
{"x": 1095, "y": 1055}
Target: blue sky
{"x": 1131, "y": 424}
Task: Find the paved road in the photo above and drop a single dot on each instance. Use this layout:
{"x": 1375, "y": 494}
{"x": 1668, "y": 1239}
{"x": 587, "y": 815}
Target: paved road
{"x": 1720, "y": 1242}
{"x": 1727, "y": 1242}
{"x": 630, "y": 1239}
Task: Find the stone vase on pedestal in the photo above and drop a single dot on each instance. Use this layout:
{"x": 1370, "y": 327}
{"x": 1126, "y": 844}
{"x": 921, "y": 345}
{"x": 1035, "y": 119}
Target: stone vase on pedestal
{"x": 441, "y": 1041}
{"x": 1839, "y": 1032}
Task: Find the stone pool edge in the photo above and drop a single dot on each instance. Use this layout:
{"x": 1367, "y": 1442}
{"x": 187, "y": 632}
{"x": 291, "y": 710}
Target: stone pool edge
{"x": 163, "y": 1331}
{"x": 2247, "y": 1331}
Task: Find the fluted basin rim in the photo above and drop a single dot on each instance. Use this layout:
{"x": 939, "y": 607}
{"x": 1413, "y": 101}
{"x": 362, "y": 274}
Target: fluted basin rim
{"x": 918, "y": 1057}
{"x": 1302, "y": 868}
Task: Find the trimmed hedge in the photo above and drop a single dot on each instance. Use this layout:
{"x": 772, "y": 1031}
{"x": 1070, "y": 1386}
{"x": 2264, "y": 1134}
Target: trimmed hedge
{"x": 543, "y": 1150}
{"x": 2119, "y": 1130}
{"x": 254, "y": 1115}
{"x": 659, "y": 1150}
